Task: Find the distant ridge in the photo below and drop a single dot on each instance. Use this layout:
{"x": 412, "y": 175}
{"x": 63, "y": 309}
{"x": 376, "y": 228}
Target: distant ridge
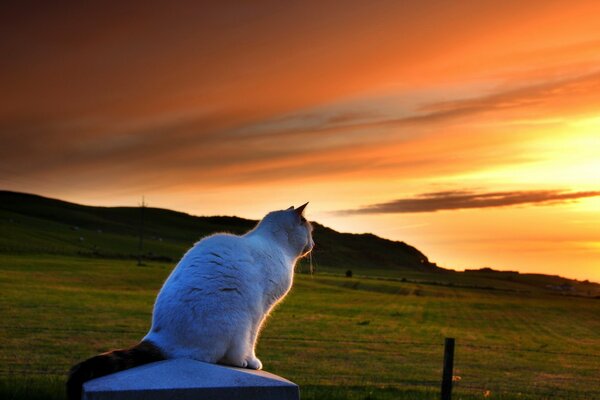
{"x": 38, "y": 224}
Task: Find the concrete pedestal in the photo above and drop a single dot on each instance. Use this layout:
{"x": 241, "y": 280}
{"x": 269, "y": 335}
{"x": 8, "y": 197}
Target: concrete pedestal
{"x": 184, "y": 379}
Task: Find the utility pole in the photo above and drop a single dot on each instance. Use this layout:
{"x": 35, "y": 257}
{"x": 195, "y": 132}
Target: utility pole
{"x": 141, "y": 242}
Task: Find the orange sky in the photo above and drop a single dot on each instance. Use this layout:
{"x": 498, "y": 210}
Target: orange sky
{"x": 468, "y": 129}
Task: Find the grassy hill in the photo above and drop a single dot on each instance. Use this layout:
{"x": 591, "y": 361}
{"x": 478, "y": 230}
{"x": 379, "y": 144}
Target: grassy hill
{"x": 31, "y": 224}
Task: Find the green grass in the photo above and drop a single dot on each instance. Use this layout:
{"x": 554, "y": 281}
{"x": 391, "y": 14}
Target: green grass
{"x": 338, "y": 338}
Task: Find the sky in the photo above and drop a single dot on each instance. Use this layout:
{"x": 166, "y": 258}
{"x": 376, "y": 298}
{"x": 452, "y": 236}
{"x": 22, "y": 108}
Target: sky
{"x": 468, "y": 129}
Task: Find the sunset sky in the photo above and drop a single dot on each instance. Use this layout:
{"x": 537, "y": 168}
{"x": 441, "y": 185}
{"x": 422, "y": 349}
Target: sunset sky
{"x": 470, "y": 130}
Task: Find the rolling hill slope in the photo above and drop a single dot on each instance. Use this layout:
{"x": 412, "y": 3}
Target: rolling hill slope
{"x": 30, "y": 223}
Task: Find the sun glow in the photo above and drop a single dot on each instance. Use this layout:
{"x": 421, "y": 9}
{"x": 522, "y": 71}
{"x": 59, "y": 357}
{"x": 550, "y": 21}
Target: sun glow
{"x": 567, "y": 156}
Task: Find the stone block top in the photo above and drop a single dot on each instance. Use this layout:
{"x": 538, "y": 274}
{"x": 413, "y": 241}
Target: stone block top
{"x": 185, "y": 379}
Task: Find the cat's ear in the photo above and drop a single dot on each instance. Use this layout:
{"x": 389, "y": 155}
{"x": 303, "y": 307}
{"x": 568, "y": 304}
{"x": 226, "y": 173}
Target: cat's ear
{"x": 300, "y": 210}
{"x": 291, "y": 208}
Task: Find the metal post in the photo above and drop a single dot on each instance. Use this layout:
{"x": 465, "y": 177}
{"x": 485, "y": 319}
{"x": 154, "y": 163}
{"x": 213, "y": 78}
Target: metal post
{"x": 448, "y": 366}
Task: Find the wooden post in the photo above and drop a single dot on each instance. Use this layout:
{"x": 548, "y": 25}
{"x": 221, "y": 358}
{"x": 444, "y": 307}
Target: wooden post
{"x": 448, "y": 366}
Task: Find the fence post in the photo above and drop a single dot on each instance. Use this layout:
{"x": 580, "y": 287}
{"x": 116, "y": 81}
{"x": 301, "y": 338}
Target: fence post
{"x": 448, "y": 365}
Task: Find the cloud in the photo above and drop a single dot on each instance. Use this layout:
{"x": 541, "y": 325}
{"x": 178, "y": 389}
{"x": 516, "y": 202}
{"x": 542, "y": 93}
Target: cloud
{"x": 225, "y": 147}
{"x": 339, "y": 120}
{"x": 462, "y": 199}
{"x": 515, "y": 97}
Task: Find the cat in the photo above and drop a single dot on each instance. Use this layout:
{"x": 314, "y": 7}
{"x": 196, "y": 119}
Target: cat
{"x": 214, "y": 302}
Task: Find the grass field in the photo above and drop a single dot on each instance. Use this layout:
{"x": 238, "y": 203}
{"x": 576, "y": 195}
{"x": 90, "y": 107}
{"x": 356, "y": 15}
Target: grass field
{"x": 337, "y": 337}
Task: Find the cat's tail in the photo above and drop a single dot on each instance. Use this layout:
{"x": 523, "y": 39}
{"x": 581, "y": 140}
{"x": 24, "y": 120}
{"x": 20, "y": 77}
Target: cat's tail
{"x": 106, "y": 363}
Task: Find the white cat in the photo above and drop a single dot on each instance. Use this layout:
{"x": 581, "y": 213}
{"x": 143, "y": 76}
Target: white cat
{"x": 212, "y": 306}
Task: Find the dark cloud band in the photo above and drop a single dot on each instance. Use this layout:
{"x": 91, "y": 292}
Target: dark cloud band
{"x": 458, "y": 200}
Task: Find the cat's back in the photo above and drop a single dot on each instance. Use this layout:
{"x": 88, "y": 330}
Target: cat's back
{"x": 215, "y": 252}
{"x": 225, "y": 243}
{"x": 215, "y": 259}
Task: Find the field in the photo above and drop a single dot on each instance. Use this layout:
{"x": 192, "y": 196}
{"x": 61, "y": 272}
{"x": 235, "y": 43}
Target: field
{"x": 337, "y": 337}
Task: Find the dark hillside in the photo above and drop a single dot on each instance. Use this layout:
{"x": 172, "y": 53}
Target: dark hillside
{"x": 335, "y": 248}
{"x": 31, "y": 223}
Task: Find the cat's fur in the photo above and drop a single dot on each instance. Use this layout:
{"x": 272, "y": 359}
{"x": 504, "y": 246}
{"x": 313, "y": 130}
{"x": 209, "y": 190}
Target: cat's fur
{"x": 212, "y": 306}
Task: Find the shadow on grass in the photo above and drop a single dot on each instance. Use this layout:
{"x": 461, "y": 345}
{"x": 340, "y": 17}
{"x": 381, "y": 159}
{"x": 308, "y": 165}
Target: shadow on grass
{"x": 53, "y": 388}
{"x": 326, "y": 392}
{"x": 32, "y": 388}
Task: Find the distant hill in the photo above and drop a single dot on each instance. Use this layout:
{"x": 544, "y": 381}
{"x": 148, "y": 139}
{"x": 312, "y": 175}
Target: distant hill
{"x": 36, "y": 224}
{"x": 31, "y": 224}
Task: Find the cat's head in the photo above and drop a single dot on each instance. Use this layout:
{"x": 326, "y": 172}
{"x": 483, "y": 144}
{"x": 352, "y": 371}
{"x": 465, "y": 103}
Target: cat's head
{"x": 291, "y": 229}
